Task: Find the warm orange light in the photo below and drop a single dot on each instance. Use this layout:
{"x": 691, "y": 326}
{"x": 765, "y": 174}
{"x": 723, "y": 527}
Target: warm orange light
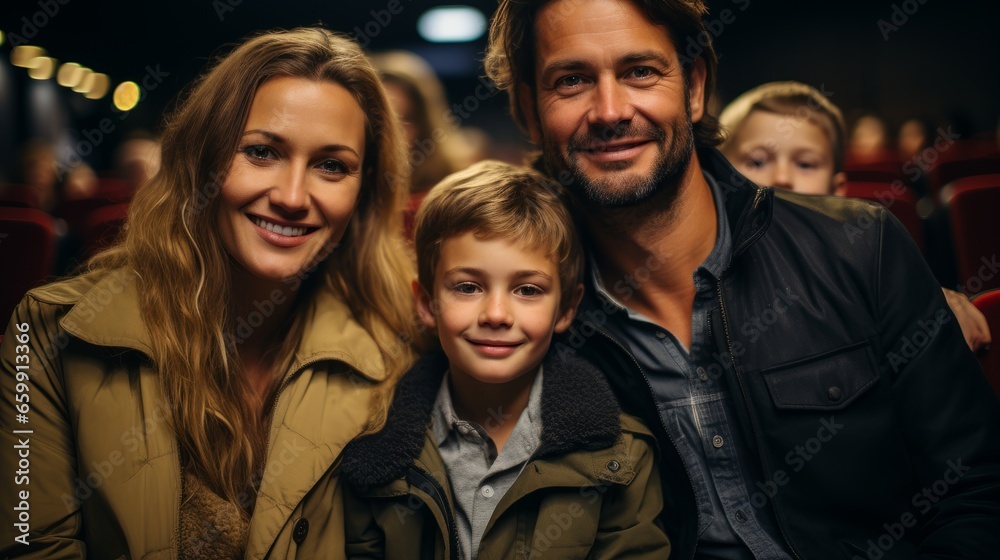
{"x": 25, "y": 55}
{"x": 42, "y": 68}
{"x": 70, "y": 74}
{"x": 86, "y": 81}
{"x": 100, "y": 87}
{"x": 126, "y": 96}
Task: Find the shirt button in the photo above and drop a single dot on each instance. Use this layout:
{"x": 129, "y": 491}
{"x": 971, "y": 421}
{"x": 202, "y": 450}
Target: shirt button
{"x": 702, "y": 374}
{"x": 661, "y": 334}
{"x": 487, "y": 491}
{"x": 718, "y": 442}
{"x": 740, "y": 516}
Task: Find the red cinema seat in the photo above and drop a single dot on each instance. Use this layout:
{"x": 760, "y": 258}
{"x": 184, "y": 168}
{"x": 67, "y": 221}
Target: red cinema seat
{"x": 988, "y": 303}
{"x": 948, "y": 171}
{"x": 966, "y": 183}
{"x": 27, "y": 251}
{"x": 897, "y": 198}
{"x": 975, "y": 228}
{"x": 19, "y": 196}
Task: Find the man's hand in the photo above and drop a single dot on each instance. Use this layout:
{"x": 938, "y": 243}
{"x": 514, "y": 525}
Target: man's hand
{"x": 973, "y": 323}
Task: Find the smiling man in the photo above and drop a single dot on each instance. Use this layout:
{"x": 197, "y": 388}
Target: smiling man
{"x": 804, "y": 403}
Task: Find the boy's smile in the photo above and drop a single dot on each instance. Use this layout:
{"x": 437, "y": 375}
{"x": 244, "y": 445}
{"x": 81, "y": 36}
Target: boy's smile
{"x": 495, "y": 306}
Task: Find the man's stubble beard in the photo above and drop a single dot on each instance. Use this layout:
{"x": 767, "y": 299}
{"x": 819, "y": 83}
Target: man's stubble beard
{"x": 626, "y": 190}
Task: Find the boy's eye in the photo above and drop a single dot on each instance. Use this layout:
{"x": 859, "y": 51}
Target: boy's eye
{"x": 528, "y": 291}
{"x": 466, "y": 288}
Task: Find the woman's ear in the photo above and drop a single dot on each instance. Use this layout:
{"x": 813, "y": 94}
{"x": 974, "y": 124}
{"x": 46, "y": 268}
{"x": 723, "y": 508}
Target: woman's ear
{"x": 425, "y": 308}
{"x": 566, "y": 319}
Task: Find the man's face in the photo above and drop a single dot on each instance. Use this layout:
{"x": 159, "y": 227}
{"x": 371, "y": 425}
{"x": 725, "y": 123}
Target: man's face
{"x": 611, "y": 103}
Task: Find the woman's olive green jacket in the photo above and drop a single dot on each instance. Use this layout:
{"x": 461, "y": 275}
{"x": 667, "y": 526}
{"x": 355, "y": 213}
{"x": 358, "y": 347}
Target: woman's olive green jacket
{"x": 102, "y": 477}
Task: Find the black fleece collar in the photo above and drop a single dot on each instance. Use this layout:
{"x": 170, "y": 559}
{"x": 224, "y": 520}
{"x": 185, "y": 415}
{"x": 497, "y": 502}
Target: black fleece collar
{"x": 579, "y": 411}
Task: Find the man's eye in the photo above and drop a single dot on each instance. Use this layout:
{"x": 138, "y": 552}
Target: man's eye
{"x": 642, "y": 71}
{"x": 569, "y": 81}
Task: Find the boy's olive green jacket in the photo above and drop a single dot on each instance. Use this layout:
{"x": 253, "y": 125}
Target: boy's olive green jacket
{"x": 105, "y": 480}
{"x": 591, "y": 490}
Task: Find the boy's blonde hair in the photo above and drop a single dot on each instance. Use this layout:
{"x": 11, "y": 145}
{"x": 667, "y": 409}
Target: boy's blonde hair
{"x": 793, "y": 99}
{"x": 497, "y": 200}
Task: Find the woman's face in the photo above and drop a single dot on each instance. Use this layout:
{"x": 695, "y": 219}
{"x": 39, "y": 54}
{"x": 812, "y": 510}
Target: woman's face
{"x": 295, "y": 177}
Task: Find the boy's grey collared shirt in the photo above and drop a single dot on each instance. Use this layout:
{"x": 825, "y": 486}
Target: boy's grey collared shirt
{"x": 696, "y": 411}
{"x": 478, "y": 475}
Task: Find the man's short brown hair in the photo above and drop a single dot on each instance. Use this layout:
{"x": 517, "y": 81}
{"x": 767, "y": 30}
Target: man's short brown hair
{"x": 496, "y": 200}
{"x": 510, "y": 55}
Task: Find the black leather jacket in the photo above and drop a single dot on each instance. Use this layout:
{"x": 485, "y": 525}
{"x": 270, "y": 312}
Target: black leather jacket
{"x": 872, "y": 428}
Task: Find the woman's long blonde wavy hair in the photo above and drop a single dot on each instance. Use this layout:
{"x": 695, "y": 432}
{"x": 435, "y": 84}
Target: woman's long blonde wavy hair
{"x": 183, "y": 270}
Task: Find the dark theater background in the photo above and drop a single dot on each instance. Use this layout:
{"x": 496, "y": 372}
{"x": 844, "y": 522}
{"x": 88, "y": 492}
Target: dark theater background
{"x": 940, "y": 61}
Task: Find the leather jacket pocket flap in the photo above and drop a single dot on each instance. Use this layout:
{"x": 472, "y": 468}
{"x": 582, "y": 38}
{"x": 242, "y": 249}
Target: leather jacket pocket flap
{"x": 829, "y": 381}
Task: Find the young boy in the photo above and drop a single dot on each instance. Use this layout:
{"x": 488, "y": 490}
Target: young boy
{"x": 502, "y": 445}
{"x": 786, "y": 135}
{"x": 789, "y": 136}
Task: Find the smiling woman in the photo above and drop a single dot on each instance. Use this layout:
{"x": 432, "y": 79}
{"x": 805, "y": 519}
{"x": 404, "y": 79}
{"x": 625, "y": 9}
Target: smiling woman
{"x": 192, "y": 390}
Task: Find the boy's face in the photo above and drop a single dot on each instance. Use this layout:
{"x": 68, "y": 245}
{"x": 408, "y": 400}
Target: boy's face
{"x": 495, "y": 307}
{"x": 784, "y": 151}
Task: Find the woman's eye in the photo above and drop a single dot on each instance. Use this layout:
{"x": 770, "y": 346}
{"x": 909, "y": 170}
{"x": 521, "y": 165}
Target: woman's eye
{"x": 333, "y": 166}
{"x": 258, "y": 152}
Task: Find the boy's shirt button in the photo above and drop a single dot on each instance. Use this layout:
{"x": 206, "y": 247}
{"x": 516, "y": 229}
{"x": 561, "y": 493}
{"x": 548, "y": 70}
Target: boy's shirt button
{"x": 487, "y": 491}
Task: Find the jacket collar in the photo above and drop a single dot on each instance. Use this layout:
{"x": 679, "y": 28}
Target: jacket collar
{"x": 108, "y": 315}
{"x": 579, "y": 411}
{"x": 748, "y": 207}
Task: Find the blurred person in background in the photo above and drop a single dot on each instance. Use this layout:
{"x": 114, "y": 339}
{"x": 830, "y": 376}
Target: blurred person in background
{"x": 869, "y": 142}
{"x": 789, "y": 136}
{"x": 137, "y": 159}
{"x": 436, "y": 144}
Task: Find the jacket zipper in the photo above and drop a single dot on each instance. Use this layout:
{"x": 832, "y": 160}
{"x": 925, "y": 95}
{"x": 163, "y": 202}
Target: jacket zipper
{"x": 746, "y": 402}
{"x": 442, "y": 503}
{"x": 659, "y": 418}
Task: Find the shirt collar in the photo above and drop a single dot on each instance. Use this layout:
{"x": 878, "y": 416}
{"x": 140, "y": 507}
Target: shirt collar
{"x": 445, "y": 419}
{"x": 716, "y": 261}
